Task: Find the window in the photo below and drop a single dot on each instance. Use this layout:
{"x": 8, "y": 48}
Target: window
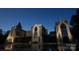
{"x": 64, "y": 33}
{"x": 63, "y": 30}
{"x": 10, "y": 40}
{"x": 35, "y": 33}
{"x": 35, "y": 28}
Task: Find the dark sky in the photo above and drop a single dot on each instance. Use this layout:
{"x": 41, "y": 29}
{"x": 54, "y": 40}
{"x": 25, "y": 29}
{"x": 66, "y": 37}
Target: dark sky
{"x": 28, "y": 17}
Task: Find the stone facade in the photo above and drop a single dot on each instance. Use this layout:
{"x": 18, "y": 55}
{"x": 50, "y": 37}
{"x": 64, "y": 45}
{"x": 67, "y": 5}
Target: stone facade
{"x": 19, "y": 39}
{"x": 15, "y": 36}
{"x": 63, "y": 34}
{"x": 38, "y": 39}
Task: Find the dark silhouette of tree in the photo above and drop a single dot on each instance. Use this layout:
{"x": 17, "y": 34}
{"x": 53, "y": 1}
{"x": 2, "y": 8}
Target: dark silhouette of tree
{"x": 1, "y": 40}
{"x": 75, "y": 27}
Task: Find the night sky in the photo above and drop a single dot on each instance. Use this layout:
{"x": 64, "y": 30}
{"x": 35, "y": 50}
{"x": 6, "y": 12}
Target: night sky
{"x": 29, "y": 17}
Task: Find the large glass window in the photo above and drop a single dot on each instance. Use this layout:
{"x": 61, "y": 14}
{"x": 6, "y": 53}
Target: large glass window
{"x": 64, "y": 33}
{"x": 63, "y": 30}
